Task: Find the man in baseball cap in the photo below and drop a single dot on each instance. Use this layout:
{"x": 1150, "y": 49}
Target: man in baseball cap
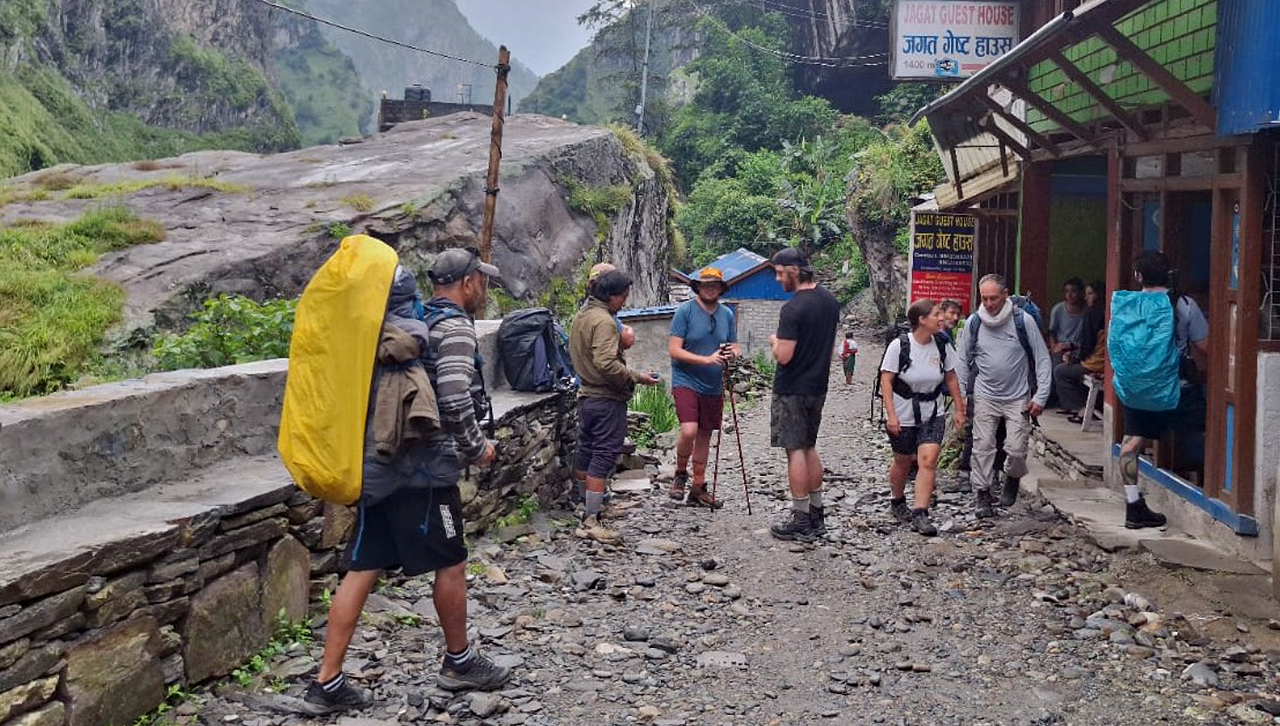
{"x": 457, "y": 263}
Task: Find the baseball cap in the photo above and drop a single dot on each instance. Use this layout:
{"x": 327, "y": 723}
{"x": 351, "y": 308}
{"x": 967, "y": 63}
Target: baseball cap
{"x": 709, "y": 274}
{"x": 791, "y": 257}
{"x": 456, "y": 263}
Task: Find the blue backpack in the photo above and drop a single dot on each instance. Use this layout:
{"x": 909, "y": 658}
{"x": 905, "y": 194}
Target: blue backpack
{"x": 1143, "y": 352}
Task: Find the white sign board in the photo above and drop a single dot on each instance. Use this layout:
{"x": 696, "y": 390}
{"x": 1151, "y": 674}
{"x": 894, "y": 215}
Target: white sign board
{"x": 944, "y": 40}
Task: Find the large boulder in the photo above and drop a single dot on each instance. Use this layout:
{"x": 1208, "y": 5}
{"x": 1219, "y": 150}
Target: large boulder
{"x": 114, "y": 677}
{"x": 225, "y": 625}
{"x": 420, "y": 187}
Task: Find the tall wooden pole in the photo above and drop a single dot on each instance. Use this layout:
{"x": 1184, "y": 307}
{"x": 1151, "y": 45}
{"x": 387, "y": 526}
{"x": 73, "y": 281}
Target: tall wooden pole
{"x": 495, "y": 154}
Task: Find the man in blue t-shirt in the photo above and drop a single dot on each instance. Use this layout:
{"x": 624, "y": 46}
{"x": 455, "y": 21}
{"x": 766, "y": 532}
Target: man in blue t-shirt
{"x": 704, "y": 338}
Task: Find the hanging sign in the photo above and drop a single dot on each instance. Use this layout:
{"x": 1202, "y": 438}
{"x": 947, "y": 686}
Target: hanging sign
{"x": 942, "y": 257}
{"x": 945, "y": 40}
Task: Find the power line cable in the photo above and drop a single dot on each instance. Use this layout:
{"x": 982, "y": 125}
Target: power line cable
{"x": 373, "y": 36}
{"x": 793, "y": 12}
{"x": 845, "y": 62}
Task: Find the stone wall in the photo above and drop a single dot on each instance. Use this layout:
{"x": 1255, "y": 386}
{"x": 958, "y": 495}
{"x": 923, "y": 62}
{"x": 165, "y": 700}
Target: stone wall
{"x": 1061, "y": 461}
{"x": 180, "y": 576}
{"x": 756, "y": 320}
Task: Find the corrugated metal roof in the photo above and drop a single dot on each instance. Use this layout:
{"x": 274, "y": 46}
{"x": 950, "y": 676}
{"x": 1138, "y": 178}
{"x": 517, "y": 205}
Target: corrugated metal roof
{"x": 733, "y": 265}
{"x": 650, "y": 312}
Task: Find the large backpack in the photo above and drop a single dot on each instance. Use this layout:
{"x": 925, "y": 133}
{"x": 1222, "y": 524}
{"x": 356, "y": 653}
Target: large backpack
{"x": 534, "y": 351}
{"x": 331, "y": 363}
{"x": 1020, "y": 314}
{"x": 1143, "y": 350}
{"x": 1026, "y": 305}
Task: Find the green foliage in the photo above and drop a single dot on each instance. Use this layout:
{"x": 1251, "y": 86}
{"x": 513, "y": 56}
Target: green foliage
{"x": 52, "y": 319}
{"x": 172, "y": 182}
{"x": 655, "y": 401}
{"x": 358, "y": 202}
{"x": 21, "y": 18}
{"x": 888, "y": 172}
{"x": 765, "y": 365}
{"x": 217, "y": 77}
{"x": 229, "y": 329}
{"x": 338, "y": 230}
{"x": 324, "y": 90}
{"x": 174, "y": 696}
{"x": 904, "y": 99}
{"x": 834, "y": 259}
{"x": 523, "y": 512}
{"x": 288, "y": 634}
{"x": 564, "y": 296}
{"x": 601, "y": 203}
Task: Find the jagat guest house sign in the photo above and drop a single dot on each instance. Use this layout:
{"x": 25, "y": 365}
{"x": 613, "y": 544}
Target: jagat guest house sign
{"x": 942, "y": 257}
{"x": 944, "y": 40}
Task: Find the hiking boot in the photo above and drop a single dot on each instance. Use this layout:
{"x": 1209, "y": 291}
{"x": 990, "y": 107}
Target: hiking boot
{"x": 482, "y": 675}
{"x": 818, "y": 516}
{"x": 899, "y": 509}
{"x": 700, "y": 497}
{"x": 1009, "y": 495}
{"x": 678, "y": 484}
{"x": 798, "y": 528}
{"x": 983, "y": 509}
{"x": 920, "y": 523}
{"x": 340, "y": 699}
{"x": 1137, "y": 515}
{"x": 593, "y": 528}
{"x": 958, "y": 484}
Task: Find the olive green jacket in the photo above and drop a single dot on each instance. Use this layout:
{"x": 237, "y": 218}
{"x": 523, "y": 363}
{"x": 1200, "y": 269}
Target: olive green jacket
{"x": 595, "y": 347}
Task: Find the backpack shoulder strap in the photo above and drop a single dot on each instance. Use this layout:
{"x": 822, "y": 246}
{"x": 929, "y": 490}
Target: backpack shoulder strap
{"x": 940, "y": 340}
{"x": 904, "y": 352}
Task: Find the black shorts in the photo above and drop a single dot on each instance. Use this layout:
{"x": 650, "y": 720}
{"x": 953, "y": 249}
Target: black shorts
{"x": 794, "y": 421}
{"x": 911, "y": 438}
{"x": 1188, "y": 417}
{"x": 413, "y": 530}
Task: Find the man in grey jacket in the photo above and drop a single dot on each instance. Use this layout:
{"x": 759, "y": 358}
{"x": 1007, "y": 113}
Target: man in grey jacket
{"x": 1006, "y": 368}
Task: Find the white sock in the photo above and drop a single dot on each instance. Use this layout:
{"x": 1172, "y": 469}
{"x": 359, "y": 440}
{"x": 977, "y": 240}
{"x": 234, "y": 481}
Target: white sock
{"x": 800, "y": 505}
{"x": 815, "y": 499}
{"x": 1131, "y": 493}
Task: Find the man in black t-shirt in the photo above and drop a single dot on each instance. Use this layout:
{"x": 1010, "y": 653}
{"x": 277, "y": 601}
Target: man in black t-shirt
{"x": 803, "y": 348}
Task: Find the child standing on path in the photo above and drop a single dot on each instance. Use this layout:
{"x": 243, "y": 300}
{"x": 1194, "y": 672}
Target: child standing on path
{"x": 848, "y": 357}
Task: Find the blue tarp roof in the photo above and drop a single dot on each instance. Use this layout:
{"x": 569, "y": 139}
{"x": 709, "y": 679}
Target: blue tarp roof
{"x": 733, "y": 265}
{"x": 647, "y": 312}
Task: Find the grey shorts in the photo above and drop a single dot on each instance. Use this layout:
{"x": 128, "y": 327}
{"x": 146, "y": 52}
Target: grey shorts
{"x": 794, "y": 421}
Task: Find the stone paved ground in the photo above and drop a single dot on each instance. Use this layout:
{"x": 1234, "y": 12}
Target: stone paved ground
{"x": 704, "y": 619}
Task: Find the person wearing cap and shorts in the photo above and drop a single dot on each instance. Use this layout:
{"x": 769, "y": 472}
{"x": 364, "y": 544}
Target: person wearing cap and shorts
{"x": 803, "y": 348}
{"x": 410, "y": 509}
{"x": 703, "y": 339}
{"x": 595, "y": 348}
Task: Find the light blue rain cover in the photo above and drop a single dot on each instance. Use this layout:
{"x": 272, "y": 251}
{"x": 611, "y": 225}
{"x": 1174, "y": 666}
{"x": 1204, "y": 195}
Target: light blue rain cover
{"x": 1144, "y": 356}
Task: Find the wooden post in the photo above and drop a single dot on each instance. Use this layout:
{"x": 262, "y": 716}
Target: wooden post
{"x": 495, "y": 154}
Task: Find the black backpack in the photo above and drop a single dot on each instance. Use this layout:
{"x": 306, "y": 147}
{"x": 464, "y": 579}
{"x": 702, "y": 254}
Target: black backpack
{"x": 900, "y": 333}
{"x": 534, "y": 351}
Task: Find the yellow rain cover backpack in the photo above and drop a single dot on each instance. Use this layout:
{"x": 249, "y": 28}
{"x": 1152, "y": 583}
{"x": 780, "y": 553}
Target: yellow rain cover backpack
{"x": 331, "y": 357}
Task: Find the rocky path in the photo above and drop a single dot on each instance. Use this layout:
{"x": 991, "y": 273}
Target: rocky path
{"x": 701, "y": 618}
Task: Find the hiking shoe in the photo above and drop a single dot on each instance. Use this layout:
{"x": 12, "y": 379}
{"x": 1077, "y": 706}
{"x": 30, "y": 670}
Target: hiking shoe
{"x": 983, "y": 510}
{"x": 340, "y": 699}
{"x": 678, "y": 484}
{"x": 482, "y": 675}
{"x": 920, "y": 523}
{"x": 1137, "y": 515}
{"x": 958, "y": 484}
{"x": 700, "y": 497}
{"x": 1009, "y": 495}
{"x": 818, "y": 516}
{"x": 798, "y": 528}
{"x": 593, "y": 528}
{"x": 899, "y": 509}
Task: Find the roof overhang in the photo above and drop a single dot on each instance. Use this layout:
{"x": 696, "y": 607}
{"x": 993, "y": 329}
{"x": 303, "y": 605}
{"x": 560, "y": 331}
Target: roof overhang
{"x": 980, "y": 128}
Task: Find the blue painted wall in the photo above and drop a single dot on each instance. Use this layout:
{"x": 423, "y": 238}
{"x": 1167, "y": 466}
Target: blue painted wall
{"x": 1246, "y": 84}
{"x": 760, "y": 286}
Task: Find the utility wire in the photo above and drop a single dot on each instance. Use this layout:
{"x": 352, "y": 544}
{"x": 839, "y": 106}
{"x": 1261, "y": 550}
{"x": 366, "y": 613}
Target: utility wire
{"x": 808, "y": 14}
{"x": 846, "y": 62}
{"x": 373, "y": 36}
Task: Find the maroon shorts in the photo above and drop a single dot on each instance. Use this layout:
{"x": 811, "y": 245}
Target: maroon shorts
{"x": 694, "y": 407}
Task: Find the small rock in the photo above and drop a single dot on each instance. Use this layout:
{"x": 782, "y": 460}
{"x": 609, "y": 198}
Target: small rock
{"x": 648, "y": 713}
{"x": 1246, "y": 713}
{"x": 1201, "y": 675}
{"x": 635, "y": 633}
{"x": 715, "y": 579}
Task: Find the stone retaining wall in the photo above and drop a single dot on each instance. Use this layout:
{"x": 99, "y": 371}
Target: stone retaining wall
{"x": 1061, "y": 461}
{"x": 181, "y": 580}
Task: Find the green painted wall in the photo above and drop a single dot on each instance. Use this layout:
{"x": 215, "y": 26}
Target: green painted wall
{"x": 1077, "y": 242}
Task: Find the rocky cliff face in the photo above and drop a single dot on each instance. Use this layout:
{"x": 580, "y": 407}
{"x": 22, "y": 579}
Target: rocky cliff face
{"x": 843, "y": 29}
{"x": 420, "y": 187}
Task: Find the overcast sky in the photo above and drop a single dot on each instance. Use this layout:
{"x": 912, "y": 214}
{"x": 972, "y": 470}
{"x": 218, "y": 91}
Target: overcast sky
{"x": 542, "y": 34}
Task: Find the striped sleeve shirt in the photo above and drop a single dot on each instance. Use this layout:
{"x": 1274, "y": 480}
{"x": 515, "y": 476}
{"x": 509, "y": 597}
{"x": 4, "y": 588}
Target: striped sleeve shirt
{"x": 457, "y": 385}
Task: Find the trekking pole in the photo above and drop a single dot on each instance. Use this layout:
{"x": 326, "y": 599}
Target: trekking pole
{"x": 733, "y": 406}
{"x": 715, "y": 475}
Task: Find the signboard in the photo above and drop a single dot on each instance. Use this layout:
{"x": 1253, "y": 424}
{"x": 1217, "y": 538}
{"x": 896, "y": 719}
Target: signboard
{"x": 945, "y": 40}
{"x": 942, "y": 257}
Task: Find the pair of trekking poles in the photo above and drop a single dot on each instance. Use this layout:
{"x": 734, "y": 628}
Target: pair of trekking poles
{"x": 715, "y": 475}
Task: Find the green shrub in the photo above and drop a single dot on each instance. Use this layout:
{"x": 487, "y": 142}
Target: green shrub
{"x": 229, "y": 329}
{"x": 765, "y": 365}
{"x": 338, "y": 230}
{"x": 657, "y": 402}
{"x": 358, "y": 202}
{"x": 52, "y": 319}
